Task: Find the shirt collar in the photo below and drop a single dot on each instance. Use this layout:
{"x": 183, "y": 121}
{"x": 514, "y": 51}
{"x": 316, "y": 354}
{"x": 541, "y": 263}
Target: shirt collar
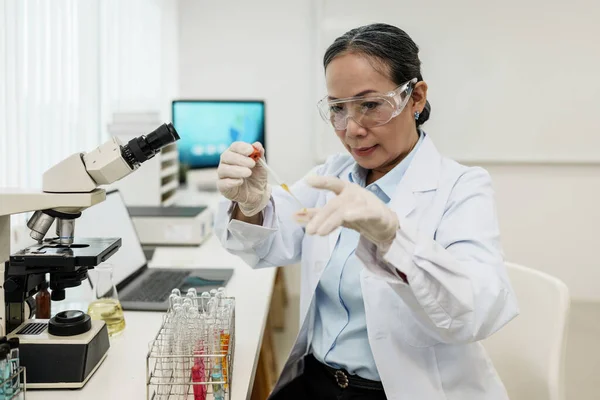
{"x": 389, "y": 181}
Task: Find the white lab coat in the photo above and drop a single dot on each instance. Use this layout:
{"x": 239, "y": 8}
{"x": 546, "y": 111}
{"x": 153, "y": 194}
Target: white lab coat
{"x": 424, "y": 335}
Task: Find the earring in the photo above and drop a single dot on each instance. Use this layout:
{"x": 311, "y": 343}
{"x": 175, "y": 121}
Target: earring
{"x": 417, "y": 115}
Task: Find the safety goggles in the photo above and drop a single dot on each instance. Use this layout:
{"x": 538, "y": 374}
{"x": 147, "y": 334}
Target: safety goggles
{"x": 367, "y": 111}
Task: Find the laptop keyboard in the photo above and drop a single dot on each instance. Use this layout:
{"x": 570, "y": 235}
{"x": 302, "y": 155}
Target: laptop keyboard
{"x": 156, "y": 286}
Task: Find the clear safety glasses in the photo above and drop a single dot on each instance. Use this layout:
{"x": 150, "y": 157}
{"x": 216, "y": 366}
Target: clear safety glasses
{"x": 367, "y": 111}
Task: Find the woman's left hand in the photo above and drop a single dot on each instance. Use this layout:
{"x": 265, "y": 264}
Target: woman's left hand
{"x": 354, "y": 207}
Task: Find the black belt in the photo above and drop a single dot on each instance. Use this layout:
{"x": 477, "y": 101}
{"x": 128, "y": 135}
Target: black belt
{"x": 345, "y": 379}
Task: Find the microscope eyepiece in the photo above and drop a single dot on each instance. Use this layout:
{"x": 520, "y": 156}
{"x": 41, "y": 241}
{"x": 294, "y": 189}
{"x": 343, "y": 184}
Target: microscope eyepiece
{"x": 143, "y": 148}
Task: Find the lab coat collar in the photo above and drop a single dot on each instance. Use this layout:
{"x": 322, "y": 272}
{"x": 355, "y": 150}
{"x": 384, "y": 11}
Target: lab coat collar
{"x": 423, "y": 172}
{"x": 422, "y": 175}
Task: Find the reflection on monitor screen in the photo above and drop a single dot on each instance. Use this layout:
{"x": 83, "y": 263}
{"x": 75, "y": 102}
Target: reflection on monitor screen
{"x": 207, "y": 128}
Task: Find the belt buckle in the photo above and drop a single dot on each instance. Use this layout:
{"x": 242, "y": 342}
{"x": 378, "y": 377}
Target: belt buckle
{"x": 341, "y": 379}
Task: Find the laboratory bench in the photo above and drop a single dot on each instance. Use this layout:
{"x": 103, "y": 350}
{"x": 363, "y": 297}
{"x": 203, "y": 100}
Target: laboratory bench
{"x": 122, "y": 375}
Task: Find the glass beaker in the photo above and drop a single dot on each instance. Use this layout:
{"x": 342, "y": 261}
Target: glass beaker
{"x": 106, "y": 305}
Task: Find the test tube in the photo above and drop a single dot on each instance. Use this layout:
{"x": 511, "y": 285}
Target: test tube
{"x": 204, "y": 298}
{"x": 222, "y": 294}
{"x": 173, "y": 321}
{"x": 176, "y": 292}
{"x": 172, "y": 302}
{"x": 219, "y": 300}
{"x": 212, "y": 307}
{"x": 178, "y": 300}
{"x": 187, "y": 325}
{"x": 179, "y": 372}
{"x": 193, "y": 295}
{"x": 217, "y": 368}
{"x": 224, "y": 336}
{"x": 164, "y": 362}
{"x": 206, "y": 345}
{"x": 197, "y": 366}
{"x": 213, "y": 292}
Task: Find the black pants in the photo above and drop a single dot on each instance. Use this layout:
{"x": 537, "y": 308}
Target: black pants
{"x": 317, "y": 384}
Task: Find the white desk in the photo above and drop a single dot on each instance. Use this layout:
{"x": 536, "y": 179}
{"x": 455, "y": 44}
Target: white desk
{"x": 123, "y": 373}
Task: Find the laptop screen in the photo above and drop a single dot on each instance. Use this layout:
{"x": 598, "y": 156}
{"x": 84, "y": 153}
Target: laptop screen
{"x": 111, "y": 219}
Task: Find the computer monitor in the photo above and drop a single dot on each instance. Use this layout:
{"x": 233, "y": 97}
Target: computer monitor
{"x": 208, "y": 127}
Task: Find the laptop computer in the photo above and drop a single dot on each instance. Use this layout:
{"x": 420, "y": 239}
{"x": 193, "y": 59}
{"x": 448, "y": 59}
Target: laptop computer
{"x": 140, "y": 287}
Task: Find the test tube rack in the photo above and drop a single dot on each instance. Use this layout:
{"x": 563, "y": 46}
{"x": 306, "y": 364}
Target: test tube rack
{"x": 169, "y": 373}
{"x": 14, "y": 387}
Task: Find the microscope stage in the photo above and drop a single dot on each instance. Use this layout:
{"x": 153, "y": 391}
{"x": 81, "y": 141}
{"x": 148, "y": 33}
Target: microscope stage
{"x": 85, "y": 252}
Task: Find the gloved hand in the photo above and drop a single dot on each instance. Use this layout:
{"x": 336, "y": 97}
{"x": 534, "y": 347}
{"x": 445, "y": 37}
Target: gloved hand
{"x": 242, "y": 180}
{"x": 354, "y": 207}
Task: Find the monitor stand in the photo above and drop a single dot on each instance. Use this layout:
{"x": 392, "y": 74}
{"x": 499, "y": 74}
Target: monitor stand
{"x": 204, "y": 180}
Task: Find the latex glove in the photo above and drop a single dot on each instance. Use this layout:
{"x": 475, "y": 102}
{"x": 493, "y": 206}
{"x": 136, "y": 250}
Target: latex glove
{"x": 243, "y": 180}
{"x": 354, "y": 207}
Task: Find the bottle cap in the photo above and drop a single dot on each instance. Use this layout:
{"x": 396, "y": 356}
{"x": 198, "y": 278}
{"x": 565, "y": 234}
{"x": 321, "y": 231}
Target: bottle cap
{"x": 4, "y": 350}
{"x": 13, "y": 343}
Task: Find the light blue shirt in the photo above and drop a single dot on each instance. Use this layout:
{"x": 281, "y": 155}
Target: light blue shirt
{"x": 340, "y": 331}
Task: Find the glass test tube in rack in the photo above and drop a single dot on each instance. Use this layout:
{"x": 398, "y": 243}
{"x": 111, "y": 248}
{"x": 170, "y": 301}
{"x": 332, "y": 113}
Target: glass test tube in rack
{"x": 192, "y": 354}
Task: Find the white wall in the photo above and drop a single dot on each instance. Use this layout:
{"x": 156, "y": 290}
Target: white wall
{"x": 549, "y": 219}
{"x": 489, "y": 64}
{"x": 548, "y": 213}
{"x": 255, "y": 49}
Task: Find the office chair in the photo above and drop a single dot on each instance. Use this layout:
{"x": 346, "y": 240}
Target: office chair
{"x": 529, "y": 352}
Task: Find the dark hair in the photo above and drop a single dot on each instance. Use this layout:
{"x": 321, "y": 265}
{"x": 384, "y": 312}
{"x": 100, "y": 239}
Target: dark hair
{"x": 387, "y": 44}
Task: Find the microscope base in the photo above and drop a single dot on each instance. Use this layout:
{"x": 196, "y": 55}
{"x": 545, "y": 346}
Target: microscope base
{"x": 55, "y": 362}
{"x": 65, "y": 385}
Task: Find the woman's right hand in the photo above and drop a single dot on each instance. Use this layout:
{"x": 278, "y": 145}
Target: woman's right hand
{"x": 242, "y": 180}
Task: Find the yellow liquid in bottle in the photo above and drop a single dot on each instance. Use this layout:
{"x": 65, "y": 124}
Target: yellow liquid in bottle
{"x": 111, "y": 312}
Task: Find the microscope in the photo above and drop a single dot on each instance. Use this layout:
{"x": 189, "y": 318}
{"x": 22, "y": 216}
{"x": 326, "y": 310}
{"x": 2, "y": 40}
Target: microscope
{"x": 65, "y": 351}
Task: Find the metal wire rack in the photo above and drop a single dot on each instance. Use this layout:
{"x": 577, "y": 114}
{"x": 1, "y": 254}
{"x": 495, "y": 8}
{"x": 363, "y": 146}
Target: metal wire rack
{"x": 181, "y": 370}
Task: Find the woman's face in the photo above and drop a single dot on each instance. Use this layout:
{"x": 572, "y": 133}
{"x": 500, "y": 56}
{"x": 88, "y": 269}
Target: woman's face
{"x": 382, "y": 147}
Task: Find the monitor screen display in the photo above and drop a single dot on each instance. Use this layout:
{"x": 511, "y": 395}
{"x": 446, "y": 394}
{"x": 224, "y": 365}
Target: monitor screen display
{"x": 207, "y": 128}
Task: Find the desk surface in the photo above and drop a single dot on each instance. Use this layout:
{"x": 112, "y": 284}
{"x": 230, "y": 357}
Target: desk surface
{"x": 123, "y": 373}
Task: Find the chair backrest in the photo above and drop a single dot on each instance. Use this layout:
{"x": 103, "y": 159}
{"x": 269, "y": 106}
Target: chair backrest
{"x": 529, "y": 352}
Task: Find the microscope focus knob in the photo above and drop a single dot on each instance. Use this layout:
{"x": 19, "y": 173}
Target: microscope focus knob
{"x": 11, "y": 285}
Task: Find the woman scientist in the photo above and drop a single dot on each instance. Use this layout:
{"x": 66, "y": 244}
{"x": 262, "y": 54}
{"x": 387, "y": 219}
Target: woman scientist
{"x": 402, "y": 268}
